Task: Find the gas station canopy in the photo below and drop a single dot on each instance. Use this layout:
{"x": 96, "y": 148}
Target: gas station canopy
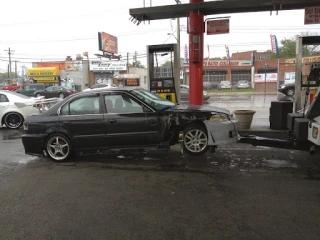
{"x": 218, "y": 7}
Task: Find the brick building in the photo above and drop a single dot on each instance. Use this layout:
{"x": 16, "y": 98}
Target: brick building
{"x": 265, "y": 74}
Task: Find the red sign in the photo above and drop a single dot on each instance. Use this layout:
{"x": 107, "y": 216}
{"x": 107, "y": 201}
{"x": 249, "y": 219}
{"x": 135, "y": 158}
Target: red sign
{"x": 312, "y": 15}
{"x": 217, "y": 26}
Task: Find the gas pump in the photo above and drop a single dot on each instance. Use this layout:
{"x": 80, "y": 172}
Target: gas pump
{"x": 164, "y": 80}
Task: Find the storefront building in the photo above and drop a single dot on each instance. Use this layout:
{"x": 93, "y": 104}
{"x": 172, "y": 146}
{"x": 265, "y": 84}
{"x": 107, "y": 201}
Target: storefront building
{"x": 73, "y": 71}
{"x": 104, "y": 71}
{"x": 263, "y": 73}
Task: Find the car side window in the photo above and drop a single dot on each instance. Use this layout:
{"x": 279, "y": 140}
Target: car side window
{"x": 123, "y": 103}
{"x": 3, "y": 98}
{"x": 65, "y": 110}
{"x": 49, "y": 89}
{"x": 83, "y": 106}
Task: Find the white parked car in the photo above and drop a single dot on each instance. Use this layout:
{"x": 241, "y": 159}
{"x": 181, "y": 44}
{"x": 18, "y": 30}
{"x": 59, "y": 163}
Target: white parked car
{"x": 14, "y": 108}
{"x": 100, "y": 86}
{"x": 225, "y": 85}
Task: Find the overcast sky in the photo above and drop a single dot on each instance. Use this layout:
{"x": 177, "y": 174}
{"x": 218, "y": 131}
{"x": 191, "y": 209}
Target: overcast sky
{"x": 40, "y": 30}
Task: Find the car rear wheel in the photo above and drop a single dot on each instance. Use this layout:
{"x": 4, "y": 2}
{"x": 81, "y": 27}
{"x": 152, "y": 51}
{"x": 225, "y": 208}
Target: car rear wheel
{"x": 58, "y": 147}
{"x": 13, "y": 120}
{"x": 61, "y": 95}
{"x": 290, "y": 92}
{"x": 195, "y": 140}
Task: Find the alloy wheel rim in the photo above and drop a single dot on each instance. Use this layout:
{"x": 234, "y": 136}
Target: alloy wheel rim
{"x": 61, "y": 95}
{"x": 195, "y": 140}
{"x": 13, "y": 120}
{"x": 58, "y": 148}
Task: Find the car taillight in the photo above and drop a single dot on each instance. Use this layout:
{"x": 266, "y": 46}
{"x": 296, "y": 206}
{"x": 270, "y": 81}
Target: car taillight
{"x": 25, "y": 127}
{"x": 69, "y": 91}
{"x": 315, "y": 132}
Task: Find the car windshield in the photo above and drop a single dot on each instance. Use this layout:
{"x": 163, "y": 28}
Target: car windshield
{"x": 152, "y": 99}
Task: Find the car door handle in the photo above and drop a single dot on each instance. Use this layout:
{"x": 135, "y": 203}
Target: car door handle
{"x": 66, "y": 123}
{"x": 112, "y": 121}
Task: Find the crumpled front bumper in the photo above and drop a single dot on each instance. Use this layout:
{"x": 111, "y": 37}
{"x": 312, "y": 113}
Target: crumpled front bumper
{"x": 222, "y": 132}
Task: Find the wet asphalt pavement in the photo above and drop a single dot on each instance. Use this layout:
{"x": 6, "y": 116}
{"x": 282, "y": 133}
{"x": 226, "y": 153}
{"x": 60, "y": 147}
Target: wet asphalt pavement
{"x": 239, "y": 192}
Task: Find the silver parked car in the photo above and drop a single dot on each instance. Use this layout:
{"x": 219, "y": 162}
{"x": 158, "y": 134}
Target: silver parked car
{"x": 184, "y": 92}
{"x": 243, "y": 84}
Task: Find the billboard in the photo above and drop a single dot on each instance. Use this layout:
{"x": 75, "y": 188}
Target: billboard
{"x": 108, "y": 65}
{"x": 108, "y": 43}
{"x": 73, "y": 66}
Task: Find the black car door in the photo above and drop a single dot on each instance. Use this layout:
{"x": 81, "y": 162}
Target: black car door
{"x": 130, "y": 122}
{"x": 83, "y": 120}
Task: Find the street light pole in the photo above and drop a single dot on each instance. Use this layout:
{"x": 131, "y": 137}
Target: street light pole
{"x": 265, "y": 78}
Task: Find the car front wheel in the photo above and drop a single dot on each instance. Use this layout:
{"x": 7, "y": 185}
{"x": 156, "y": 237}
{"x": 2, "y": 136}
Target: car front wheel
{"x": 58, "y": 147}
{"x": 38, "y": 95}
{"x": 195, "y": 140}
{"x": 13, "y": 120}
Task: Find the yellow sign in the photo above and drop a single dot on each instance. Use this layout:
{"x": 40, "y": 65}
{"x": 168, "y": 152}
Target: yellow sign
{"x": 43, "y": 72}
{"x": 47, "y": 81}
{"x": 44, "y": 78}
{"x": 305, "y": 60}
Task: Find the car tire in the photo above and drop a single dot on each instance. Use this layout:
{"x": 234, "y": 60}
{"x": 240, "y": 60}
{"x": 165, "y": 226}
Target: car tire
{"x": 37, "y": 95}
{"x": 58, "y": 147}
{"x": 61, "y": 95}
{"x": 290, "y": 92}
{"x": 195, "y": 140}
{"x": 13, "y": 120}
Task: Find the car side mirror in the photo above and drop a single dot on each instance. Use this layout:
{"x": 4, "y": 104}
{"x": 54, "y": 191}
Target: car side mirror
{"x": 59, "y": 111}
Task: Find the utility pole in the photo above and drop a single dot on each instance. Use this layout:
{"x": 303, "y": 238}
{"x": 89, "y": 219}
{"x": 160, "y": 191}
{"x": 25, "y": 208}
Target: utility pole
{"x": 127, "y": 62}
{"x": 15, "y": 69}
{"x": 9, "y": 52}
{"x": 135, "y": 58}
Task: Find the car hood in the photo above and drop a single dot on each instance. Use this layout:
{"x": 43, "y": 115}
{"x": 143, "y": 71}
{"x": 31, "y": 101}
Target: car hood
{"x": 197, "y": 108}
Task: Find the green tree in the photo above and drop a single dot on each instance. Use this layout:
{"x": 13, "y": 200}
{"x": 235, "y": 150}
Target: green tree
{"x": 136, "y": 64}
{"x": 167, "y": 64}
{"x": 287, "y": 48}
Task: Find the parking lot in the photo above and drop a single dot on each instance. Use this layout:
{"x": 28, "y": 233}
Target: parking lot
{"x": 239, "y": 192}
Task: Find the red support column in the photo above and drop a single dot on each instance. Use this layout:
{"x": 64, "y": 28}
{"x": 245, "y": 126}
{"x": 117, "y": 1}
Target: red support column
{"x": 196, "y": 30}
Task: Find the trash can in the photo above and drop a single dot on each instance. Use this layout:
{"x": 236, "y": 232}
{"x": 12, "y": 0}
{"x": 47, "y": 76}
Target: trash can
{"x": 244, "y": 118}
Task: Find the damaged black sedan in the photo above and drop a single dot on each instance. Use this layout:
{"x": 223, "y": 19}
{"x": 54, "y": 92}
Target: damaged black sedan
{"x": 125, "y": 119}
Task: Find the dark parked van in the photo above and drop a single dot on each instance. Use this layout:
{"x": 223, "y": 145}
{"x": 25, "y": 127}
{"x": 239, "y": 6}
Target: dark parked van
{"x": 30, "y": 89}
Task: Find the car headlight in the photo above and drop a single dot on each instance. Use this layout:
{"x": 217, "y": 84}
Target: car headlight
{"x": 205, "y": 93}
{"x": 283, "y": 86}
{"x": 219, "y": 118}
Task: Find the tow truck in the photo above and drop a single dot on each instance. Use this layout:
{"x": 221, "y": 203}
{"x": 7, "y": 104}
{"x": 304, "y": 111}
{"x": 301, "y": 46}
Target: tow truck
{"x": 303, "y": 125}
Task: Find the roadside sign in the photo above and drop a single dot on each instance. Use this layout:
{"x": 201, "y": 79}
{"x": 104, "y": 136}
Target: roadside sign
{"x": 312, "y": 15}
{"x": 217, "y": 26}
